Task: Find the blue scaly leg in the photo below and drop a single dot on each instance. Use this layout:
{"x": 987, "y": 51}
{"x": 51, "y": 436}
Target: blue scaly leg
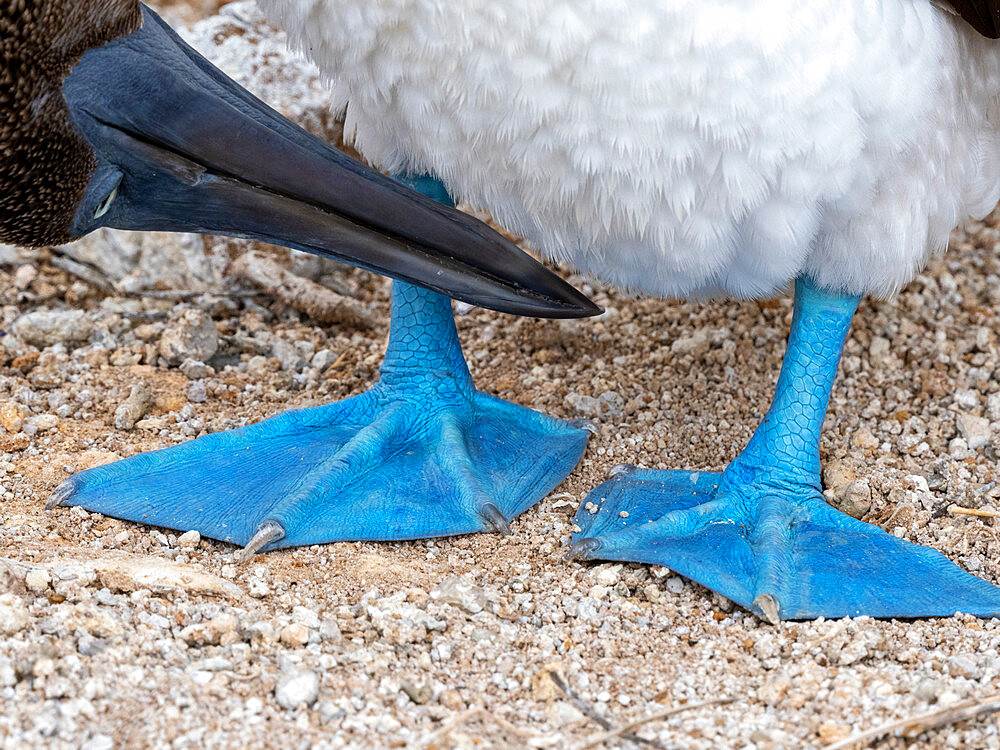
{"x": 760, "y": 532}
{"x": 422, "y": 454}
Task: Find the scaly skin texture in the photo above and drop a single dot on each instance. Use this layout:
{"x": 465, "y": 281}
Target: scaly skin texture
{"x": 421, "y": 454}
{"x": 424, "y": 353}
{"x": 784, "y": 451}
{"x": 761, "y": 533}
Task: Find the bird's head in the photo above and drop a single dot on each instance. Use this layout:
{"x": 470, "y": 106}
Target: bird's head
{"x": 45, "y": 163}
{"x": 108, "y": 119}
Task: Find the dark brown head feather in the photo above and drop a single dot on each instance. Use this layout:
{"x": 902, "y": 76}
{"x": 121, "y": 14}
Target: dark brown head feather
{"x": 44, "y": 164}
{"x": 982, "y": 15}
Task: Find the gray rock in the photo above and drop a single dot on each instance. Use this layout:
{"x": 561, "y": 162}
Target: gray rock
{"x": 134, "y": 408}
{"x": 586, "y": 406}
{"x": 192, "y": 335}
{"x": 958, "y": 448}
{"x": 11, "y": 255}
{"x": 13, "y": 615}
{"x": 857, "y": 500}
{"x": 323, "y": 359}
{"x": 608, "y": 575}
{"x": 257, "y": 366}
{"x": 611, "y": 404}
{"x": 963, "y": 665}
{"x": 41, "y": 423}
{"x": 967, "y": 398}
{"x": 8, "y": 676}
{"x": 299, "y": 688}
{"x": 462, "y": 593}
{"x": 37, "y": 580}
{"x": 853, "y": 652}
{"x": 287, "y": 354}
{"x": 587, "y": 608}
{"x": 24, "y": 275}
{"x": 329, "y": 631}
{"x": 193, "y": 369}
{"x": 938, "y": 476}
{"x": 305, "y": 616}
{"x": 49, "y": 327}
{"x": 211, "y": 632}
{"x": 880, "y": 350}
{"x": 330, "y": 711}
{"x": 137, "y": 261}
{"x": 418, "y": 692}
{"x": 294, "y": 635}
{"x": 928, "y": 690}
{"x": 189, "y": 539}
{"x": 696, "y": 344}
{"x": 196, "y": 393}
{"x": 993, "y": 406}
{"x": 844, "y": 491}
{"x": 975, "y": 430}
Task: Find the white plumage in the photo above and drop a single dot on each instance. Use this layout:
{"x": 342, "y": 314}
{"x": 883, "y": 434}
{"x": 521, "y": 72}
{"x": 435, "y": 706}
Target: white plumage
{"x": 680, "y": 147}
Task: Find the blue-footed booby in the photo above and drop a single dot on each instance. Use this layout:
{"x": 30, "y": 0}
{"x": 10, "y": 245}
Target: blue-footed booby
{"x": 108, "y": 119}
{"x": 691, "y": 148}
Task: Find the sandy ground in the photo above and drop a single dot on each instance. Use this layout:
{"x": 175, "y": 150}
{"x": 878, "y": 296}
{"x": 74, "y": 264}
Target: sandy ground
{"x": 113, "y": 634}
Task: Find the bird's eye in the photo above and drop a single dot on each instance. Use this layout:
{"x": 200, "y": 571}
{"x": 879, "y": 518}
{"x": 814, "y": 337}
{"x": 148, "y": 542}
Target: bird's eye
{"x": 106, "y": 204}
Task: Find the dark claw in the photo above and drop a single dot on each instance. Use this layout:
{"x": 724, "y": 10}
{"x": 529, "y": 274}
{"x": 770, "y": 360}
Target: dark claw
{"x": 769, "y": 605}
{"x": 584, "y": 424}
{"x": 61, "y": 494}
{"x": 583, "y": 549}
{"x": 267, "y": 532}
{"x": 494, "y": 518}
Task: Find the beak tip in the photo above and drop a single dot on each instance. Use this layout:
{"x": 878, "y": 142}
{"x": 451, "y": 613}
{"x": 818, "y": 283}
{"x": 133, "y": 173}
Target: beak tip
{"x": 580, "y": 306}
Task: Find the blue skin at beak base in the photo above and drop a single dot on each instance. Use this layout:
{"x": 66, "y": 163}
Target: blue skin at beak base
{"x": 421, "y": 454}
{"x": 761, "y": 533}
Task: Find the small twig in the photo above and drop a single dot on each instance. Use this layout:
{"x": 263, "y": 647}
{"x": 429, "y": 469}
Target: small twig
{"x": 318, "y": 302}
{"x": 579, "y": 702}
{"x": 478, "y": 713}
{"x": 183, "y": 295}
{"x": 656, "y": 716}
{"x": 146, "y": 316}
{"x": 82, "y": 271}
{"x": 958, "y": 510}
{"x": 586, "y": 709}
{"x": 915, "y": 725}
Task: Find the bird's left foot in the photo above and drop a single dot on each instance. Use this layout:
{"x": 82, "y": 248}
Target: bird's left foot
{"x": 779, "y": 551}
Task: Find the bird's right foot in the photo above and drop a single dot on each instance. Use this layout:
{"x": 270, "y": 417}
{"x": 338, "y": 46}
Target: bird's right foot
{"x": 388, "y": 464}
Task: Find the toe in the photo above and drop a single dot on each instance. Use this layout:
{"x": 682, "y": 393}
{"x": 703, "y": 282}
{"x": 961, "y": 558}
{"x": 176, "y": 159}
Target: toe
{"x": 268, "y": 532}
{"x": 494, "y": 519}
{"x": 62, "y": 494}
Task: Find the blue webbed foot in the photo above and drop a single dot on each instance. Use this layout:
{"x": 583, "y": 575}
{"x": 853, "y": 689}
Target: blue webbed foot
{"x": 761, "y": 533}
{"x": 422, "y": 454}
{"x": 783, "y": 555}
{"x": 391, "y": 463}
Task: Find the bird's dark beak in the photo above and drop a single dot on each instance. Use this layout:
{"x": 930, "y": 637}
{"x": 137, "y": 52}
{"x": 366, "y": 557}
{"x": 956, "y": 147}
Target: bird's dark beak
{"x": 183, "y": 148}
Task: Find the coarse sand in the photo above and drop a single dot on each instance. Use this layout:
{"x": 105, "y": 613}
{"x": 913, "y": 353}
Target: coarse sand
{"x": 113, "y": 634}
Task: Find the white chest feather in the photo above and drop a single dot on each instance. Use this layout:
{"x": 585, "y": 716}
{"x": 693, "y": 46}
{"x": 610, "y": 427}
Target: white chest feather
{"x": 680, "y": 147}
